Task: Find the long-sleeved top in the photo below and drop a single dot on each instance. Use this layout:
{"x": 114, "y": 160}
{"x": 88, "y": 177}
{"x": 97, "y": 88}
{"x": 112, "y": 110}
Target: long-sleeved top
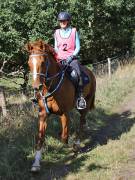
{"x": 65, "y": 33}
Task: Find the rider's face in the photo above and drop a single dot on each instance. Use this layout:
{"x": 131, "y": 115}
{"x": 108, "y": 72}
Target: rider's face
{"x": 63, "y": 24}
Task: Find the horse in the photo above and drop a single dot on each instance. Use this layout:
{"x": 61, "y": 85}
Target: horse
{"x": 54, "y": 92}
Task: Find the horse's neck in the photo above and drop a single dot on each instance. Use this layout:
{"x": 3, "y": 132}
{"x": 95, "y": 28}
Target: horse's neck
{"x": 53, "y": 66}
{"x": 53, "y": 69}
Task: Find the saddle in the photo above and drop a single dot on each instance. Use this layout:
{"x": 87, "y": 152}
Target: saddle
{"x": 74, "y": 78}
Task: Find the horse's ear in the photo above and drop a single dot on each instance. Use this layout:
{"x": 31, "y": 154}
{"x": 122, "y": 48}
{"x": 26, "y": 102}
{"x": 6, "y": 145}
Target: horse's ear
{"x": 28, "y": 47}
{"x": 41, "y": 44}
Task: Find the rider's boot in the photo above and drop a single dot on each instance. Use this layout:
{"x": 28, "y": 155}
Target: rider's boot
{"x": 81, "y": 102}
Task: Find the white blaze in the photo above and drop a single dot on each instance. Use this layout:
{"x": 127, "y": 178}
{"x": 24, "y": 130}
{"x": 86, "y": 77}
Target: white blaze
{"x": 34, "y": 61}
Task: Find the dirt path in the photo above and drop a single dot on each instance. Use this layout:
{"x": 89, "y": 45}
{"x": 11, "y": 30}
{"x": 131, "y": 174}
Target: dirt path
{"x": 116, "y": 124}
{"x": 128, "y": 104}
{"x": 127, "y": 172}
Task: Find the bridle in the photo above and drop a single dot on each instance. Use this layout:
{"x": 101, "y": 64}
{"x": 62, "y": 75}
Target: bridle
{"x": 48, "y": 78}
{"x": 35, "y": 55}
{"x": 47, "y": 68}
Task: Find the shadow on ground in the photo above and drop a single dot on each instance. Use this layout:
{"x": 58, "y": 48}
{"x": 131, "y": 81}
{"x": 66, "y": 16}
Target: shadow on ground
{"x": 16, "y": 143}
{"x": 108, "y": 127}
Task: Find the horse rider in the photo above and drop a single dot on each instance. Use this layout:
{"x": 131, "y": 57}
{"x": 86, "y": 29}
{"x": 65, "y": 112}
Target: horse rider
{"x": 67, "y": 47}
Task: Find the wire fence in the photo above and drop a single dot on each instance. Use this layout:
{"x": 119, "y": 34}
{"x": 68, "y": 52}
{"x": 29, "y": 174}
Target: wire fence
{"x": 105, "y": 67}
{"x": 110, "y": 65}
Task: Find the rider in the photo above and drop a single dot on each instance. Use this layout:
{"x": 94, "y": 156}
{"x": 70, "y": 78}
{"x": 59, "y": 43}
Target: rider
{"x": 67, "y": 47}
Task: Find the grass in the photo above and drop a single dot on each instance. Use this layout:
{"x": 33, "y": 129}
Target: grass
{"x": 105, "y": 147}
{"x": 112, "y": 91}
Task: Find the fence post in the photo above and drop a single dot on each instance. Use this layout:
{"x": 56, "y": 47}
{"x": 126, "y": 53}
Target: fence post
{"x": 3, "y": 102}
{"x": 109, "y": 66}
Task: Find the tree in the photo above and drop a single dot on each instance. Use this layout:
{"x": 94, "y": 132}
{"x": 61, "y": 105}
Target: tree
{"x": 105, "y": 27}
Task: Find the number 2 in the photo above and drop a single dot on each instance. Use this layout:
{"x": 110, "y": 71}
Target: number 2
{"x": 64, "y": 47}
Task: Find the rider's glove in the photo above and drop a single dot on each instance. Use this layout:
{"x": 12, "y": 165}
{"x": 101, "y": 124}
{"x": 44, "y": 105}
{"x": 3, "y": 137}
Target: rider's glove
{"x": 69, "y": 59}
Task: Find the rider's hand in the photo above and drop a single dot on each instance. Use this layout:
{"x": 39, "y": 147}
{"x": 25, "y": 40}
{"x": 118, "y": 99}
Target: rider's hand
{"x": 69, "y": 59}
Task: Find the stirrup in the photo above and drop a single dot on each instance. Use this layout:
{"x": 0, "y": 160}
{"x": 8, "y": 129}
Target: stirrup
{"x": 81, "y": 103}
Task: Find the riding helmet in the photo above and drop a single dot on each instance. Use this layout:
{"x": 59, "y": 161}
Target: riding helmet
{"x": 63, "y": 16}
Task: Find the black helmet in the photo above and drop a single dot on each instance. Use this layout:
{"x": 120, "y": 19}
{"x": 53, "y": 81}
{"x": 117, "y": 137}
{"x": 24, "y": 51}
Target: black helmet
{"x": 64, "y": 16}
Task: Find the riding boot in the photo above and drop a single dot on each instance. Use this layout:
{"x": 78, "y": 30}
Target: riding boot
{"x": 81, "y": 102}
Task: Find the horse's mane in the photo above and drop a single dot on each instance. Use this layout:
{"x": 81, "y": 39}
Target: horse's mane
{"x": 42, "y": 46}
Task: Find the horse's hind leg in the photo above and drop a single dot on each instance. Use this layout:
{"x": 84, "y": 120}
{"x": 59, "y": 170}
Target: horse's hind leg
{"x": 82, "y": 127}
{"x": 76, "y": 145}
{"x": 82, "y": 119}
{"x": 90, "y": 106}
{"x": 65, "y": 131}
{"x": 39, "y": 141}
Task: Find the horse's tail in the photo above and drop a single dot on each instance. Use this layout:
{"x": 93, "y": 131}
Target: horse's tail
{"x": 92, "y": 104}
{"x": 92, "y": 94}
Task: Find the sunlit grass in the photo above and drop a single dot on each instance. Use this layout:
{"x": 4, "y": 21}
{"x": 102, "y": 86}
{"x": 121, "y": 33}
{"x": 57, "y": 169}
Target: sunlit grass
{"x": 112, "y": 91}
{"x": 109, "y": 142}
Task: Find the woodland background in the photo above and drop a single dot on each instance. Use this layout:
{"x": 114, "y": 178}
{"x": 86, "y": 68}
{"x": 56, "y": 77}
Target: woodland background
{"x": 106, "y": 28}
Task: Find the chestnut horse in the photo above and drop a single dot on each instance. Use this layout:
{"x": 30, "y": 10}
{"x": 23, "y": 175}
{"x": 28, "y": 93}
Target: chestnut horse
{"x": 54, "y": 92}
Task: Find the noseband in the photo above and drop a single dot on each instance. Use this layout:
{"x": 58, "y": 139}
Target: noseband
{"x": 47, "y": 64}
{"x": 47, "y": 67}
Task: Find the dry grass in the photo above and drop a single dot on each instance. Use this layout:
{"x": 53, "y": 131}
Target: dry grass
{"x": 105, "y": 147}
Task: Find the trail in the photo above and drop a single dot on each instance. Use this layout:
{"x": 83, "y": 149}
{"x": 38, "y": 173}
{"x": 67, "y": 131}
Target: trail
{"x": 127, "y": 171}
{"x": 116, "y": 124}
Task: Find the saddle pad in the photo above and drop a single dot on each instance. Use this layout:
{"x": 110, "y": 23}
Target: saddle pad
{"x": 85, "y": 77}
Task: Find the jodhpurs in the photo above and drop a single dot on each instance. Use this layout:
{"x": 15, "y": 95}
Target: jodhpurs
{"x": 76, "y": 65}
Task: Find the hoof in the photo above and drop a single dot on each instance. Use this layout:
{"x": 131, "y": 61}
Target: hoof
{"x": 86, "y": 128}
{"x": 76, "y": 148}
{"x": 35, "y": 169}
{"x": 65, "y": 141}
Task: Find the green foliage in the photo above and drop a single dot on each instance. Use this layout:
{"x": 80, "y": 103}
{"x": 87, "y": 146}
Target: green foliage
{"x": 108, "y": 129}
{"x": 105, "y": 27}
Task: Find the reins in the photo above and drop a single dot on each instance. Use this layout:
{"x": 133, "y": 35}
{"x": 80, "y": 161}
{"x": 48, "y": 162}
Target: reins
{"x": 45, "y": 75}
{"x": 60, "y": 74}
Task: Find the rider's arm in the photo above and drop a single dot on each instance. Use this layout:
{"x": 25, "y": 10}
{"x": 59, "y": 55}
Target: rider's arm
{"x": 55, "y": 44}
{"x": 77, "y": 44}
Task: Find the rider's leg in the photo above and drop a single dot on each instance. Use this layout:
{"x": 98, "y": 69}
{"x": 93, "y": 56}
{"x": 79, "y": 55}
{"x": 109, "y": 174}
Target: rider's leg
{"x": 81, "y": 103}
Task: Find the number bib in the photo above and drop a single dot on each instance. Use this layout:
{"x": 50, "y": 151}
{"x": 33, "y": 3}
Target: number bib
{"x": 66, "y": 46}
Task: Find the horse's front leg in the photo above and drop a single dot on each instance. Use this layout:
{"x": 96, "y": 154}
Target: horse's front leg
{"x": 39, "y": 140}
{"x": 65, "y": 131}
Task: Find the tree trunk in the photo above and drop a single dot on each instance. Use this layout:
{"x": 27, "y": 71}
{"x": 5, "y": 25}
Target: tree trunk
{"x": 3, "y": 102}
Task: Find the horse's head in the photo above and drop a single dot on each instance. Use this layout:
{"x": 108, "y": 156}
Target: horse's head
{"x": 39, "y": 53}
